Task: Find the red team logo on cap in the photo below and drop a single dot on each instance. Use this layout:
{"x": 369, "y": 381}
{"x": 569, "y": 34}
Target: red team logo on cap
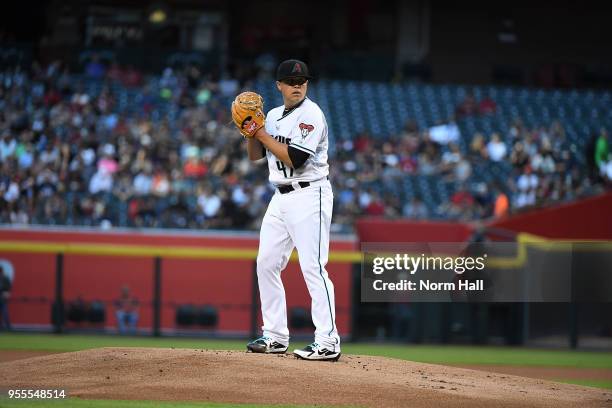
{"x": 306, "y": 129}
{"x": 297, "y": 68}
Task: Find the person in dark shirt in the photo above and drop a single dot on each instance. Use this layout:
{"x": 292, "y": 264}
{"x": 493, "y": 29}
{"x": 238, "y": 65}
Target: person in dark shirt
{"x": 126, "y": 312}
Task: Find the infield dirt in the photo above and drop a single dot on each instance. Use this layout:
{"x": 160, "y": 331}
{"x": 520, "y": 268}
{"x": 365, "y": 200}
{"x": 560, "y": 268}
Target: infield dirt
{"x": 238, "y": 377}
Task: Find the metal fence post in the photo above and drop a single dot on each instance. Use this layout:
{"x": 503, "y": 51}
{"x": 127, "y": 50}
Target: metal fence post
{"x": 157, "y": 296}
{"x": 58, "y": 309}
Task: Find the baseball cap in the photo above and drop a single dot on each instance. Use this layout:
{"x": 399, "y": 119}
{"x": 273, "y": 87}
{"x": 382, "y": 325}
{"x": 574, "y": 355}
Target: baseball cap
{"x": 292, "y": 68}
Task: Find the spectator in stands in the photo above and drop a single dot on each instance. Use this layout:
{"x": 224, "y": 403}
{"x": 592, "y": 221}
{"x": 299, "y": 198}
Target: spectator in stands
{"x": 487, "y": 106}
{"x": 527, "y": 184}
{"x": 557, "y": 136}
{"x": 519, "y": 157}
{"x": 209, "y": 203}
{"x": 94, "y": 68}
{"x": 228, "y": 86}
{"x": 410, "y": 136}
{"x": 376, "y": 206}
{"x": 25, "y": 155}
{"x": 496, "y": 149}
{"x": 143, "y": 182}
{"x": 126, "y": 311}
{"x": 467, "y": 107}
{"x": 445, "y": 133}
{"x": 453, "y": 165}
{"x": 53, "y": 210}
{"x": 543, "y": 160}
{"x": 478, "y": 149}
{"x": 463, "y": 170}
{"x": 450, "y": 158}
{"x": 364, "y": 198}
{"x": 160, "y": 185}
{"x": 77, "y": 310}
{"x": 47, "y": 182}
{"x": 115, "y": 73}
{"x": 168, "y": 83}
{"x": 194, "y": 167}
{"x": 415, "y": 209}
{"x": 362, "y": 142}
{"x": 8, "y": 145}
{"x": 132, "y": 77}
{"x": 10, "y": 190}
{"x": 501, "y": 205}
{"x": 19, "y": 214}
{"x": 530, "y": 142}
{"x": 5, "y": 294}
{"x": 602, "y": 149}
{"x": 461, "y": 204}
{"x": 426, "y": 165}
{"x": 101, "y": 181}
{"x": 606, "y": 170}
{"x": 483, "y": 200}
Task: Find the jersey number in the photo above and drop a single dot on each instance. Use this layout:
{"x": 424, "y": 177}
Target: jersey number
{"x": 281, "y": 167}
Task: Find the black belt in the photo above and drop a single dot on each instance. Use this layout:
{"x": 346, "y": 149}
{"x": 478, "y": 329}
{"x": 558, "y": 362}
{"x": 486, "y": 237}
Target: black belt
{"x": 289, "y": 188}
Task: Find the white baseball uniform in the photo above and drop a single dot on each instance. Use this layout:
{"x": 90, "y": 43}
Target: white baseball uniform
{"x": 300, "y": 218}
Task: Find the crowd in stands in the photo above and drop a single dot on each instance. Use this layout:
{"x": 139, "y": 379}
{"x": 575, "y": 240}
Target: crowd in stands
{"x": 72, "y": 157}
{"x": 544, "y": 170}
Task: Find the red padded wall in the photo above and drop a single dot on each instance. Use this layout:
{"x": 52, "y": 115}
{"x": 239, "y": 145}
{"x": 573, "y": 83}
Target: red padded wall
{"x": 225, "y": 284}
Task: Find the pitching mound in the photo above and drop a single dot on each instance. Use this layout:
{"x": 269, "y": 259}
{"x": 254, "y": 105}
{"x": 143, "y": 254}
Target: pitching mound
{"x": 238, "y": 377}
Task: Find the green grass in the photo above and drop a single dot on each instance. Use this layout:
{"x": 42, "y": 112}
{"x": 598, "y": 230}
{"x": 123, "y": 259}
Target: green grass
{"x": 590, "y": 383}
{"x": 468, "y": 355}
{"x": 65, "y": 342}
{"x": 79, "y": 403}
{"x": 426, "y": 354}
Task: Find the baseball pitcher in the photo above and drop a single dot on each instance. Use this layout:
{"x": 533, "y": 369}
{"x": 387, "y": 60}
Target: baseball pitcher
{"x": 293, "y": 139}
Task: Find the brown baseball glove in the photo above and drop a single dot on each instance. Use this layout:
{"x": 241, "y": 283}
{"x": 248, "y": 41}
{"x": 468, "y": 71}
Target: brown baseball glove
{"x": 247, "y": 113}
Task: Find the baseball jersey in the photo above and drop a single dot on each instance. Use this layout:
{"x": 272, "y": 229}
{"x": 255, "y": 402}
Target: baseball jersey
{"x": 305, "y": 129}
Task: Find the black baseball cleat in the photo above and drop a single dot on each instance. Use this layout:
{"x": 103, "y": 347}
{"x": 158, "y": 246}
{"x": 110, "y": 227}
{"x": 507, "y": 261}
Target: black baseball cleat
{"x": 315, "y": 351}
{"x": 266, "y": 345}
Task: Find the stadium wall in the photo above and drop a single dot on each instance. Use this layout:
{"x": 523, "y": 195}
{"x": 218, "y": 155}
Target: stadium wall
{"x": 382, "y": 230}
{"x": 223, "y": 283}
{"x": 587, "y": 219}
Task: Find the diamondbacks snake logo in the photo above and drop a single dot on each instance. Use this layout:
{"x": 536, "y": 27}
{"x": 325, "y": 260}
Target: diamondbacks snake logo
{"x": 305, "y": 129}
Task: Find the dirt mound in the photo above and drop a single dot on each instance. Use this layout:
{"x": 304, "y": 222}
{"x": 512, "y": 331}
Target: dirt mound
{"x": 238, "y": 377}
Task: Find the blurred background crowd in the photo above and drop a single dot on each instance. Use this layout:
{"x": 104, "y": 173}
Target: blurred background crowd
{"x": 110, "y": 146}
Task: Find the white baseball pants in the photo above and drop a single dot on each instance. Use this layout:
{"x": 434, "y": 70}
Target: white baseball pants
{"x": 300, "y": 219}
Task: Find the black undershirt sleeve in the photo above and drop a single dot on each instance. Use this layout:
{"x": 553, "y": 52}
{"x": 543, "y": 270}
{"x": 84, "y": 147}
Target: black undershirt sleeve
{"x": 298, "y": 157}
